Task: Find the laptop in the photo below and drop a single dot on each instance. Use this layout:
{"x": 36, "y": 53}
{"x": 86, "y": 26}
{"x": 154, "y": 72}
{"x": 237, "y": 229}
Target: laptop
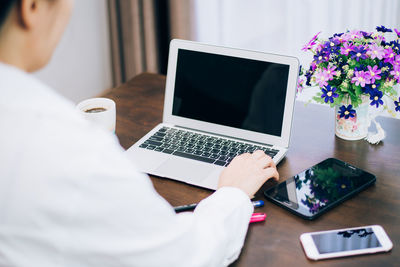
{"x": 219, "y": 102}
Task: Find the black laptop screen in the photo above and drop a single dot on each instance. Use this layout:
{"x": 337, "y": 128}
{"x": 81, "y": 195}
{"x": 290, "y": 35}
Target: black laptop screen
{"x": 237, "y": 92}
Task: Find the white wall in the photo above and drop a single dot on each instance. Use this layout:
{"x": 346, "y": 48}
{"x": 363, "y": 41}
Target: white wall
{"x": 81, "y": 65}
{"x": 284, "y": 26}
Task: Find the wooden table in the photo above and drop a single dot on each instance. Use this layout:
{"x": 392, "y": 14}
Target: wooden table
{"x": 275, "y": 242}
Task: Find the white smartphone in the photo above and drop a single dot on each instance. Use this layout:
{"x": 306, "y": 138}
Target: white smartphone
{"x": 345, "y": 242}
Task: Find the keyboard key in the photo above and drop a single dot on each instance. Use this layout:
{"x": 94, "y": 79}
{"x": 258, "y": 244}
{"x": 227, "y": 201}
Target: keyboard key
{"x": 271, "y": 154}
{"x": 214, "y": 156}
{"x": 191, "y": 156}
{"x": 143, "y": 145}
{"x": 168, "y": 151}
{"x": 158, "y": 149}
{"x": 189, "y": 150}
{"x": 223, "y": 158}
{"x": 155, "y": 138}
{"x": 158, "y": 134}
{"x": 220, "y": 163}
{"x": 198, "y": 152}
{"x": 215, "y": 151}
{"x": 150, "y": 147}
{"x": 151, "y": 142}
{"x": 206, "y": 154}
{"x": 206, "y": 149}
{"x": 230, "y": 159}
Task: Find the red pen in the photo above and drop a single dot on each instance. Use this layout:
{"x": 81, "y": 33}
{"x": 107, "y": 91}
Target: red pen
{"x": 258, "y": 217}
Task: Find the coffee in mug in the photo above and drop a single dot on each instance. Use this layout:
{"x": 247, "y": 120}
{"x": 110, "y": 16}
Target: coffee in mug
{"x": 99, "y": 110}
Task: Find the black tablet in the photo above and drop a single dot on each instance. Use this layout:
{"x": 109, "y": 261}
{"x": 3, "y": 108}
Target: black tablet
{"x": 319, "y": 188}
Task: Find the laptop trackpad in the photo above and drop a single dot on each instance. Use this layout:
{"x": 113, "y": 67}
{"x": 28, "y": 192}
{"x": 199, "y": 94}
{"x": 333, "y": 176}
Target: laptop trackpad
{"x": 184, "y": 170}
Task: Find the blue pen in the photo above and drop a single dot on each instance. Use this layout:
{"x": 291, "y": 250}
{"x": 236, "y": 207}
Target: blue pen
{"x": 256, "y": 204}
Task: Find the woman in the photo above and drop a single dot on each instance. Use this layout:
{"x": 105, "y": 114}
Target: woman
{"x": 68, "y": 194}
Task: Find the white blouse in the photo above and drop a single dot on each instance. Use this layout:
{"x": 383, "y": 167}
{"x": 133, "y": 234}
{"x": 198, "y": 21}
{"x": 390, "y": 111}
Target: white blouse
{"x": 70, "y": 197}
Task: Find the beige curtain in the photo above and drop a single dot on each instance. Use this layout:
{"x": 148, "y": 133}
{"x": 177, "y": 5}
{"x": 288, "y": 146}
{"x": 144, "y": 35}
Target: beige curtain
{"x": 141, "y": 31}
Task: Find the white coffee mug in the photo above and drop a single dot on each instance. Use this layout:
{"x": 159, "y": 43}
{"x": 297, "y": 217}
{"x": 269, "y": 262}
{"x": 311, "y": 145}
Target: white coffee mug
{"x": 99, "y": 110}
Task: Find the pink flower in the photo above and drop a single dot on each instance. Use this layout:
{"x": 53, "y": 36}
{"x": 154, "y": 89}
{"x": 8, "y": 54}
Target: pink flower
{"x": 351, "y": 35}
{"x": 389, "y": 55}
{"x": 342, "y": 38}
{"x": 313, "y": 65}
{"x": 361, "y": 78}
{"x": 346, "y": 48}
{"x": 330, "y": 72}
{"x": 311, "y": 43}
{"x": 374, "y": 73}
{"x": 375, "y": 51}
{"x": 396, "y": 73}
{"x": 397, "y": 32}
{"x": 300, "y": 84}
{"x": 396, "y": 61}
{"x": 321, "y": 77}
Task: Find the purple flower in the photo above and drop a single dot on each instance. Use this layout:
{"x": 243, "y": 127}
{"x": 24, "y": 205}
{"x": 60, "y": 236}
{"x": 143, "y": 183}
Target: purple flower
{"x": 395, "y": 45}
{"x": 397, "y": 32}
{"x": 321, "y": 56}
{"x": 308, "y": 77}
{"x": 396, "y": 73}
{"x": 397, "y": 105}
{"x": 333, "y": 45}
{"x": 374, "y": 73}
{"x": 343, "y": 185}
{"x": 389, "y": 55}
{"x": 329, "y": 94}
{"x": 361, "y": 78}
{"x": 370, "y": 88}
{"x": 311, "y": 43}
{"x": 367, "y": 35}
{"x": 346, "y": 48}
{"x": 347, "y": 112}
{"x": 375, "y": 51}
{"x": 360, "y": 68}
{"x": 376, "y": 96}
{"x": 358, "y": 53}
{"x": 383, "y": 29}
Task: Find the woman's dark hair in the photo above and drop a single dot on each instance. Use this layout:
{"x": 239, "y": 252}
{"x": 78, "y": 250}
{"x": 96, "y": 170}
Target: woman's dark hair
{"x": 5, "y": 7}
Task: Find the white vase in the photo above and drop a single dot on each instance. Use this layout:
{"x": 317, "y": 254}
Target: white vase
{"x": 353, "y": 128}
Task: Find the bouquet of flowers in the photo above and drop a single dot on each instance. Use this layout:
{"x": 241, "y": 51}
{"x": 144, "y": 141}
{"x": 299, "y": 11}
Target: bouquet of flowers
{"x": 353, "y": 66}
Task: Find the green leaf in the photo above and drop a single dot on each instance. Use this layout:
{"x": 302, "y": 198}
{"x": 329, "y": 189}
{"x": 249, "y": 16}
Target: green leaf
{"x": 318, "y": 99}
{"x": 355, "y": 101}
{"x": 357, "y": 90}
{"x": 390, "y": 90}
{"x": 343, "y": 89}
{"x": 337, "y": 101}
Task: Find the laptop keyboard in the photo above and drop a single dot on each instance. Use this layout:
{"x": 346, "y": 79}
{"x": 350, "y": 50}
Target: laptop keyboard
{"x": 200, "y": 147}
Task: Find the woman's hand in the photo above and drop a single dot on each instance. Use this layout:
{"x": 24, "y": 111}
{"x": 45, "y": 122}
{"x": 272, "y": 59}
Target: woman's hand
{"x": 249, "y": 172}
